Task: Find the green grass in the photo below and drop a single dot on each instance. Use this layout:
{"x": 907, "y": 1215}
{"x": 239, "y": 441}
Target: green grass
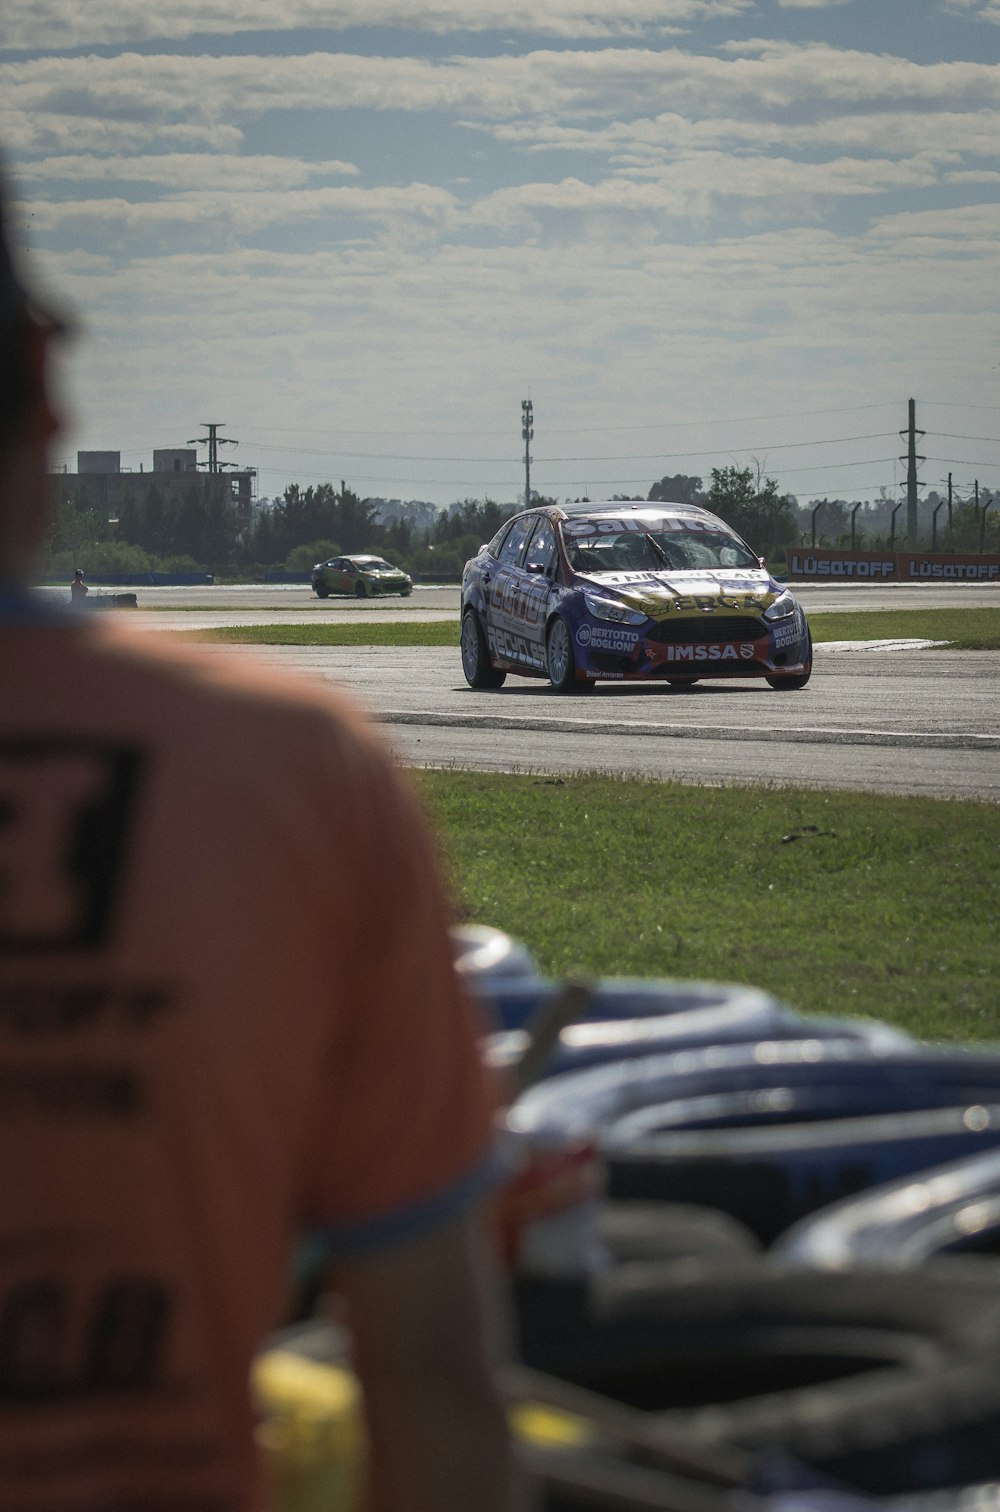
{"x": 366, "y": 633}
{"x": 964, "y": 629}
{"x": 836, "y": 902}
{"x": 967, "y": 629}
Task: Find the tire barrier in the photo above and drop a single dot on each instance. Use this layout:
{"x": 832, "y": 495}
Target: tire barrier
{"x": 886, "y": 1383}
{"x": 948, "y": 1209}
{"x": 671, "y": 1231}
{"x": 797, "y": 1124}
{"x": 484, "y": 955}
{"x": 514, "y": 1003}
{"x": 595, "y": 1041}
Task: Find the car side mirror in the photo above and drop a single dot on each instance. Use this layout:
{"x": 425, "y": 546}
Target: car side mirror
{"x": 537, "y": 569}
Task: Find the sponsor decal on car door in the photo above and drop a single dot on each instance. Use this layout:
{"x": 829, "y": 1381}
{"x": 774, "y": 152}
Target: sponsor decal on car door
{"x": 506, "y": 625}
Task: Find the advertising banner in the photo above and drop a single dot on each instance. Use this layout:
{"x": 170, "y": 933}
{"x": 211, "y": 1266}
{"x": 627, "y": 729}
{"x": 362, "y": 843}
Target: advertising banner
{"x": 830, "y": 564}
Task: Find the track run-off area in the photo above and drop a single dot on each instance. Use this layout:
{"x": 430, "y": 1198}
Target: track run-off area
{"x": 888, "y": 717}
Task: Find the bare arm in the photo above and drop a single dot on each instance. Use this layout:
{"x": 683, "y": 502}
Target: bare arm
{"x": 427, "y": 1327}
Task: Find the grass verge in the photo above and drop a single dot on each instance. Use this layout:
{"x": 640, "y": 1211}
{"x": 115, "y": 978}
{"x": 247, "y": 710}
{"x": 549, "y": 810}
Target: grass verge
{"x": 966, "y": 629}
{"x": 836, "y": 902}
{"x": 365, "y": 633}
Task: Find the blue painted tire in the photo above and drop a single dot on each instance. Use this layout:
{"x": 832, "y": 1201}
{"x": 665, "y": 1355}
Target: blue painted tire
{"x": 945, "y": 1210}
{"x": 864, "y": 1118}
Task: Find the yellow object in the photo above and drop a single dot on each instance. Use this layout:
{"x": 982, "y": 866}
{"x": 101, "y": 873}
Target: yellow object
{"x": 311, "y": 1433}
{"x": 549, "y": 1428}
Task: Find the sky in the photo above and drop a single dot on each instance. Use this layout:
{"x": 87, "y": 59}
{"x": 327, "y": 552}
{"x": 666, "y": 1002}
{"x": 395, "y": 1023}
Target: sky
{"x": 356, "y": 235}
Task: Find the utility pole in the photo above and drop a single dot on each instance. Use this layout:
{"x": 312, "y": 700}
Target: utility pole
{"x": 527, "y": 432}
{"x": 912, "y": 482}
{"x": 214, "y": 442}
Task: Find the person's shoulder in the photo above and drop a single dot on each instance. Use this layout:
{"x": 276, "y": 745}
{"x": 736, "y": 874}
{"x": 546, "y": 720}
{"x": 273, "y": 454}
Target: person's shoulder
{"x": 223, "y": 685}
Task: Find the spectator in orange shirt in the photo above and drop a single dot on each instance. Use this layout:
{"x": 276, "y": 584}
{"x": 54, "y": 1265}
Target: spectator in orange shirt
{"x": 211, "y": 1045}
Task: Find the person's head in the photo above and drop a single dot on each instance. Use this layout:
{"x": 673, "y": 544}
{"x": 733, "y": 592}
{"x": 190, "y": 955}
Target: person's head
{"x": 28, "y": 420}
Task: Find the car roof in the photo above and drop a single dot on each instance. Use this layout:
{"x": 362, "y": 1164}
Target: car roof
{"x": 625, "y": 506}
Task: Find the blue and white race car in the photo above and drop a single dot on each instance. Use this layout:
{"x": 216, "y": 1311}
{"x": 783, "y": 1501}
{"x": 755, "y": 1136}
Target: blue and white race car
{"x": 582, "y": 592}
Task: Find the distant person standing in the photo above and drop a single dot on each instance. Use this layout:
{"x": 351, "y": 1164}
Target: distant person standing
{"x": 78, "y": 589}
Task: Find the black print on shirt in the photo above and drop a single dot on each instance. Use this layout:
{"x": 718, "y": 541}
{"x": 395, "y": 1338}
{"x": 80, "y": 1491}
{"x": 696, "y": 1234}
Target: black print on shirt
{"x": 65, "y": 807}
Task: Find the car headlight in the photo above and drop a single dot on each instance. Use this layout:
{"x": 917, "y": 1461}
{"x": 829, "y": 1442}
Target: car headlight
{"x": 783, "y": 607}
{"x": 606, "y": 609}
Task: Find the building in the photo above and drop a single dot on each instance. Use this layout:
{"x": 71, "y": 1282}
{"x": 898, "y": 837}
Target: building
{"x": 101, "y": 483}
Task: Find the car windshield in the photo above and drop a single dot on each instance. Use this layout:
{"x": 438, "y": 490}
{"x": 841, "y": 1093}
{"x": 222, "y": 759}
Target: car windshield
{"x": 651, "y": 543}
{"x": 376, "y": 563}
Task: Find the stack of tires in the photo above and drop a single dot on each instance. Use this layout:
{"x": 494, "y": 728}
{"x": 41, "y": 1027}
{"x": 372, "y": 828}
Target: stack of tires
{"x": 785, "y": 1281}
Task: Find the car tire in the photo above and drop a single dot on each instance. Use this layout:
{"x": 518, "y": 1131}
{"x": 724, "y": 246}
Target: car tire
{"x": 885, "y": 1381}
{"x": 360, "y": 591}
{"x": 322, "y": 591}
{"x": 943, "y": 1210}
{"x": 681, "y": 682}
{"x": 671, "y": 1231}
{"x": 560, "y": 661}
{"x": 903, "y": 1110}
{"x": 783, "y": 684}
{"x": 479, "y": 670}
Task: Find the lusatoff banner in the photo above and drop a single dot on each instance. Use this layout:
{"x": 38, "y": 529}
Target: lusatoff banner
{"x": 827, "y": 564}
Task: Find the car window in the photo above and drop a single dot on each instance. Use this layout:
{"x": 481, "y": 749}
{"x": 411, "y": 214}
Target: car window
{"x": 541, "y": 552}
{"x": 652, "y": 542}
{"x": 497, "y": 542}
{"x": 510, "y": 551}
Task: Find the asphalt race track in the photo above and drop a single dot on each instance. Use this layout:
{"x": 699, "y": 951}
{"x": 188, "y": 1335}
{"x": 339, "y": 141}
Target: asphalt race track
{"x": 893, "y": 719}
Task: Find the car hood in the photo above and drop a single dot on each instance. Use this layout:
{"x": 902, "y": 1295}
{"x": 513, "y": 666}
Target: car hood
{"x": 658, "y": 594}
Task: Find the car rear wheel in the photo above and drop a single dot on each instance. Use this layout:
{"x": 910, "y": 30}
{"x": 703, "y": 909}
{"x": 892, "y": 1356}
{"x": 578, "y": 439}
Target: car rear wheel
{"x": 560, "y": 662}
{"x": 360, "y": 591}
{"x": 681, "y": 682}
{"x": 321, "y": 590}
{"x": 479, "y": 673}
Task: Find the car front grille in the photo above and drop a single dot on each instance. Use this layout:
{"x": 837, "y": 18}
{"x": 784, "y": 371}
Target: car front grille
{"x": 707, "y": 629}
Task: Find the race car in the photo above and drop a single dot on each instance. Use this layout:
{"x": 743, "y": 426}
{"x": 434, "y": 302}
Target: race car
{"x": 363, "y": 576}
{"x": 627, "y": 591}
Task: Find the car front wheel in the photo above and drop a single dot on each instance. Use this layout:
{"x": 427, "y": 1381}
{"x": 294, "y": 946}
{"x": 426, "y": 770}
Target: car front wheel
{"x": 479, "y": 673}
{"x": 560, "y": 661}
{"x": 799, "y": 679}
{"x": 321, "y": 590}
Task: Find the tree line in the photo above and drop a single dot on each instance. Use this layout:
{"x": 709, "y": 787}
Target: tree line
{"x": 201, "y": 527}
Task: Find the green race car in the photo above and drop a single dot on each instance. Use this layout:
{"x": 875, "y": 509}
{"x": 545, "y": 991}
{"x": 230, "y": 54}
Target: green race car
{"x": 361, "y": 576}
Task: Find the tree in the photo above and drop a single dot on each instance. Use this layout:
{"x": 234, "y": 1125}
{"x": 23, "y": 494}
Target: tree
{"x": 751, "y": 504}
{"x": 679, "y": 489}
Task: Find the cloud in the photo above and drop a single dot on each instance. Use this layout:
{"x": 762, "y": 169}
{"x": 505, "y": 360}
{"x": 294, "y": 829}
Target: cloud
{"x": 205, "y": 94}
{"x": 647, "y": 140}
{"x": 243, "y": 210}
{"x": 981, "y": 10}
{"x": 32, "y": 24}
{"x": 190, "y": 172}
{"x": 391, "y": 339}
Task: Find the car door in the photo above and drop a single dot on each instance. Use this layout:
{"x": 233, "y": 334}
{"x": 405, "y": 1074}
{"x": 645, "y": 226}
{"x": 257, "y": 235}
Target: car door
{"x": 504, "y": 630}
{"x": 536, "y": 575}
